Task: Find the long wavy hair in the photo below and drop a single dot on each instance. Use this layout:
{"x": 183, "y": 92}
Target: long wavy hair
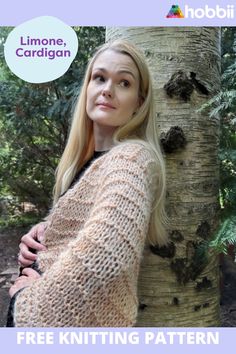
{"x": 141, "y": 128}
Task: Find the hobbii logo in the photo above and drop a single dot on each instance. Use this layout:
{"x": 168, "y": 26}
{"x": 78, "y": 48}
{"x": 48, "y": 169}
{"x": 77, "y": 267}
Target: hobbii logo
{"x": 209, "y": 12}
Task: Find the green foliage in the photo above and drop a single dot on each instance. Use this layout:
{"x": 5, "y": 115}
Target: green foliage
{"x": 224, "y": 105}
{"x": 20, "y": 220}
{"x": 35, "y": 121}
{"x": 225, "y": 236}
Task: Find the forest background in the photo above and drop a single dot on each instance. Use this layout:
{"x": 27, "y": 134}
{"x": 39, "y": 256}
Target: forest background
{"x": 34, "y": 125}
{"x": 35, "y": 121}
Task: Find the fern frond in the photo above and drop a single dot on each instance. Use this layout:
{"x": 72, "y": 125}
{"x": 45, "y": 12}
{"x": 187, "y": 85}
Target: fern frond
{"x": 225, "y": 236}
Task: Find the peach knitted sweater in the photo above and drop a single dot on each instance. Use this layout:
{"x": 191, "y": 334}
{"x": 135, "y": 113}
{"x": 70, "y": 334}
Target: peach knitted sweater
{"x": 95, "y": 239}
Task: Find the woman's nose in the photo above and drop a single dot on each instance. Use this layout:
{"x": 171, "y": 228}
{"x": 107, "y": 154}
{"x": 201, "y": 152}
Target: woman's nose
{"x": 107, "y": 90}
{"x": 106, "y": 93}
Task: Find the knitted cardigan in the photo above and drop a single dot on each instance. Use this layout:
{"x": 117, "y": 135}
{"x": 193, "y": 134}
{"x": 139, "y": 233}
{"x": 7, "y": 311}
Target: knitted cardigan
{"x": 95, "y": 240}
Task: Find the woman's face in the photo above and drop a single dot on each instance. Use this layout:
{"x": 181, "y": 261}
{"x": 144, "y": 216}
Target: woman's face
{"x": 113, "y": 90}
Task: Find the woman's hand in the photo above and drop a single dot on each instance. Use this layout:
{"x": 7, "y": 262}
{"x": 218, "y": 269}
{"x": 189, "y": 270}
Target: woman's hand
{"x": 28, "y": 277}
{"x": 31, "y": 241}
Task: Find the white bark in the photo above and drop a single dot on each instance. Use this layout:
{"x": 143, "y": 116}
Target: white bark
{"x": 175, "y": 297}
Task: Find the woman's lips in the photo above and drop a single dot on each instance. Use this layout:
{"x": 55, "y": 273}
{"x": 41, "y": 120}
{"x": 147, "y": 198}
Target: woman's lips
{"x": 105, "y": 105}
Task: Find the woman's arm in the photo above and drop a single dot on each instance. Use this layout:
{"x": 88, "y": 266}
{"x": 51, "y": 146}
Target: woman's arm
{"x": 110, "y": 243}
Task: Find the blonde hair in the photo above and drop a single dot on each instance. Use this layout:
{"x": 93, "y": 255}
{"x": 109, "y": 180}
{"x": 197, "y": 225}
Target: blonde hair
{"x": 141, "y": 128}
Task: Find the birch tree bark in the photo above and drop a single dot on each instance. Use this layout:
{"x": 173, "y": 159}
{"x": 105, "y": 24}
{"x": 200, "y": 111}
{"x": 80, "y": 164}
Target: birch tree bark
{"x": 179, "y": 286}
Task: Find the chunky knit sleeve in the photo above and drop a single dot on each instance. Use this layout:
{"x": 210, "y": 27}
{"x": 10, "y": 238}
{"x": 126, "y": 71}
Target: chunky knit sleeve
{"x": 81, "y": 286}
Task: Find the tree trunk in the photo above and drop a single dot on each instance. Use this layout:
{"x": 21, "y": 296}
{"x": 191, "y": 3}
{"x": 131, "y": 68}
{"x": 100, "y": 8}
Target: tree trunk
{"x": 179, "y": 286}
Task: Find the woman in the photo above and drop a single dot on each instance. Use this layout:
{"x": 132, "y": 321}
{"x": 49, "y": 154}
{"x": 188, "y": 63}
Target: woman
{"x": 94, "y": 236}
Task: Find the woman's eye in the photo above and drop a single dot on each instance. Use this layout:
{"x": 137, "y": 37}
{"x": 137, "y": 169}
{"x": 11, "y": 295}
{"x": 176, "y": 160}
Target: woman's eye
{"x": 124, "y": 83}
{"x": 98, "y": 77}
